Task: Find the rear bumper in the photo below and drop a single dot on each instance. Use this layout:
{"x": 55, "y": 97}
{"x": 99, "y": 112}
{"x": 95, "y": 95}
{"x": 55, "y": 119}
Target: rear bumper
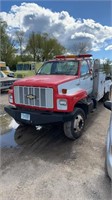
{"x": 38, "y": 117}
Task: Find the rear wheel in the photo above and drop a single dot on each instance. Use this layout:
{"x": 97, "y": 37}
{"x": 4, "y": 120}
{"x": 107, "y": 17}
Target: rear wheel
{"x": 107, "y": 96}
{"x": 73, "y": 129}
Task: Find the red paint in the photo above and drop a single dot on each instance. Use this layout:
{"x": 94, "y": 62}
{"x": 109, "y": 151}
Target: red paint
{"x": 44, "y": 80}
{"x": 53, "y": 81}
{"x": 71, "y": 99}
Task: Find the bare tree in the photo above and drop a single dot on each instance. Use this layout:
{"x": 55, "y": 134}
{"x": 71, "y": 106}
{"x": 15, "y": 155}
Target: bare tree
{"x": 20, "y": 40}
{"x": 82, "y": 47}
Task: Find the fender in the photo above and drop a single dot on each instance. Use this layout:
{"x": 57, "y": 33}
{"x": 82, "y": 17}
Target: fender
{"x": 72, "y": 99}
{"x": 79, "y": 96}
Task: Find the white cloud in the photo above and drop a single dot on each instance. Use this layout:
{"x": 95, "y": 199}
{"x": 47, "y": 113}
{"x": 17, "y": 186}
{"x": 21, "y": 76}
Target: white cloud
{"x": 108, "y": 48}
{"x": 68, "y": 30}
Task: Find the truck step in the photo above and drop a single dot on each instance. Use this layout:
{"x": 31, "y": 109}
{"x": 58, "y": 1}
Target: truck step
{"x": 92, "y": 105}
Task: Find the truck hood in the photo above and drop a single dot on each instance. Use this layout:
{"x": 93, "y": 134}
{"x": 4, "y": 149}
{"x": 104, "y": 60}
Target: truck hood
{"x": 44, "y": 80}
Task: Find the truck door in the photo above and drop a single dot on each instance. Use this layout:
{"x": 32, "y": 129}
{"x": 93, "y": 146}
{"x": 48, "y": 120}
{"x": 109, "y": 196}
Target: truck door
{"x": 86, "y": 80}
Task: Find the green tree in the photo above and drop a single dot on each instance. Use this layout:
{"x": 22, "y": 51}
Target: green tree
{"x": 7, "y": 50}
{"x": 108, "y": 67}
{"x": 34, "y": 45}
{"x": 41, "y": 47}
{"x": 52, "y": 48}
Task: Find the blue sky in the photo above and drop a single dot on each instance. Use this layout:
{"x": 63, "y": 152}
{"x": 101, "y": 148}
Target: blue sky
{"x": 99, "y": 11}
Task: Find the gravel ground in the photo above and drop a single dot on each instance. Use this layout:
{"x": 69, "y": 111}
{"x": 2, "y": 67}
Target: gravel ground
{"x": 45, "y": 165}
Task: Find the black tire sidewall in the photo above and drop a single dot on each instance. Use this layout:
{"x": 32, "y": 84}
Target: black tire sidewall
{"x": 77, "y": 111}
{"x": 107, "y": 96}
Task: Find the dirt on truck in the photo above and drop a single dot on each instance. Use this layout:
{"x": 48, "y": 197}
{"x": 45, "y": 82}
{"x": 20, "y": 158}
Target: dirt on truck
{"x": 64, "y": 90}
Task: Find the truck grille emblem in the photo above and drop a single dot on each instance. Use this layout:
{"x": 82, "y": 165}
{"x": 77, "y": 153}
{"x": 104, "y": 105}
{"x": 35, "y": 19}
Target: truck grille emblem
{"x": 31, "y": 96}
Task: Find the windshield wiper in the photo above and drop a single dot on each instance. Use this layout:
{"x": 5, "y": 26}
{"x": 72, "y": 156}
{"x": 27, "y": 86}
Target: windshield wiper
{"x": 42, "y": 74}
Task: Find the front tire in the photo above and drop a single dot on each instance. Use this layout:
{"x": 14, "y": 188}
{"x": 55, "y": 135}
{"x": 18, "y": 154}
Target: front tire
{"x": 73, "y": 129}
{"x": 20, "y": 123}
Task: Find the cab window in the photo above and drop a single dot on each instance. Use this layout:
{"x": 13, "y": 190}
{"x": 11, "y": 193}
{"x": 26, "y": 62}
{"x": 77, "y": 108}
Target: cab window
{"x": 84, "y": 69}
{"x": 1, "y": 75}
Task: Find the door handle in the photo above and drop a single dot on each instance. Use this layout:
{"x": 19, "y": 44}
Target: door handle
{"x": 85, "y": 77}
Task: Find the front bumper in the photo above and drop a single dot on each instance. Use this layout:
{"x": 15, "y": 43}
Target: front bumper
{"x": 5, "y": 87}
{"x": 38, "y": 117}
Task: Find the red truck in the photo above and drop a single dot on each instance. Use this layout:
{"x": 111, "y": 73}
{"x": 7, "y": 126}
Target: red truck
{"x": 65, "y": 89}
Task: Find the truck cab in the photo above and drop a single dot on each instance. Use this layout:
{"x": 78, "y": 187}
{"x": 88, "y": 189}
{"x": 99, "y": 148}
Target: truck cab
{"x": 64, "y": 90}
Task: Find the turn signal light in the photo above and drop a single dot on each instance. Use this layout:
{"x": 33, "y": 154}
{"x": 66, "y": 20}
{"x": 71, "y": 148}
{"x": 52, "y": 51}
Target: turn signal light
{"x": 64, "y": 91}
{"x": 10, "y": 98}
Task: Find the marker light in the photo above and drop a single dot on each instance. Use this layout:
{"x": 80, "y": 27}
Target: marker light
{"x": 73, "y": 56}
{"x": 64, "y": 91}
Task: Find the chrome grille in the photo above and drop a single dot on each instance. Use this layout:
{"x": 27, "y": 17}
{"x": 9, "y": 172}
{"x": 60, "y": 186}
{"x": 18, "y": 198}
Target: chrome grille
{"x": 34, "y": 96}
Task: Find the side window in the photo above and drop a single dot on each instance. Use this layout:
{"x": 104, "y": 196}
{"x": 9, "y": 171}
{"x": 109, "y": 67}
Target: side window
{"x": 84, "y": 70}
{"x": 1, "y": 75}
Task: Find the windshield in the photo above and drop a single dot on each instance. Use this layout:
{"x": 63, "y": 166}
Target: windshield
{"x": 21, "y": 67}
{"x": 26, "y": 67}
{"x": 2, "y": 75}
{"x": 3, "y": 68}
{"x": 59, "y": 67}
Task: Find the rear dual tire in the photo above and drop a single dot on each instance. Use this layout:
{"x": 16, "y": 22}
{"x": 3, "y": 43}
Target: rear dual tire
{"x": 73, "y": 129}
{"x": 107, "y": 96}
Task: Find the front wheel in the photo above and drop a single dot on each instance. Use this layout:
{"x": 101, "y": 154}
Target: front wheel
{"x": 21, "y": 124}
{"x": 73, "y": 129}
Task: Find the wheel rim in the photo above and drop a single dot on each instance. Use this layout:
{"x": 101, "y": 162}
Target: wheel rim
{"x": 78, "y": 123}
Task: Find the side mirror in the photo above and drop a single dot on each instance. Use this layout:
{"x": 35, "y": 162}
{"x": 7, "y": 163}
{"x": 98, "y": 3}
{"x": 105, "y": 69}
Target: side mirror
{"x": 108, "y": 105}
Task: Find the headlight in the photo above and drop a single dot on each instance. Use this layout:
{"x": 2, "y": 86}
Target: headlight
{"x": 61, "y": 104}
{"x": 10, "y": 98}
